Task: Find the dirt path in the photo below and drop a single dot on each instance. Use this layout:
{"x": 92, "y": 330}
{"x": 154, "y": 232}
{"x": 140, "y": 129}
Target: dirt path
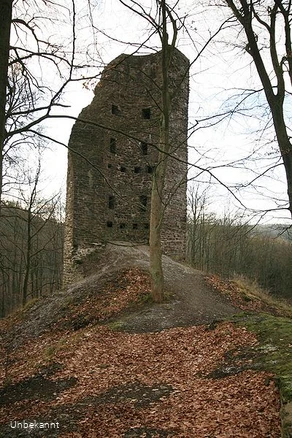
{"x": 191, "y": 303}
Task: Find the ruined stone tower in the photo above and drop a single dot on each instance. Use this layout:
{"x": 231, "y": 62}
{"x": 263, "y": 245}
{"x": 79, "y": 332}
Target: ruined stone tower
{"x": 112, "y": 156}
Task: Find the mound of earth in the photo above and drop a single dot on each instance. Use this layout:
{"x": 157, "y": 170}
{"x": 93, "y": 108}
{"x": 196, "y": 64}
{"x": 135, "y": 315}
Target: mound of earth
{"x": 189, "y": 300}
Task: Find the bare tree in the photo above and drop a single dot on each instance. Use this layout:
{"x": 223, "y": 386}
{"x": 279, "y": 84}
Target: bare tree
{"x": 164, "y": 24}
{"x": 5, "y": 25}
{"x": 31, "y": 241}
{"x": 267, "y": 28}
{"x": 158, "y": 182}
{"x": 37, "y": 64}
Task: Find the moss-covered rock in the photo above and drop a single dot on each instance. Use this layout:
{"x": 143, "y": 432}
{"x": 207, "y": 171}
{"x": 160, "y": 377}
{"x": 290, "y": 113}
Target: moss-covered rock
{"x": 274, "y": 353}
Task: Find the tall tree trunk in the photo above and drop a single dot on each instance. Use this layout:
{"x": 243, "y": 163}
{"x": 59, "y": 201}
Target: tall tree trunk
{"x": 157, "y": 206}
{"x": 284, "y": 145}
{"x": 5, "y": 25}
{"x": 28, "y": 260}
{"x": 156, "y": 220}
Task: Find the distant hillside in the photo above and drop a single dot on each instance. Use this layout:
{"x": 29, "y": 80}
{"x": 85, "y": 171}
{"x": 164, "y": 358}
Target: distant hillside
{"x": 281, "y": 231}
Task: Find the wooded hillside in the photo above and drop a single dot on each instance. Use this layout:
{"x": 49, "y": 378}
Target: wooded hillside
{"x": 229, "y": 247}
{"x": 31, "y": 243}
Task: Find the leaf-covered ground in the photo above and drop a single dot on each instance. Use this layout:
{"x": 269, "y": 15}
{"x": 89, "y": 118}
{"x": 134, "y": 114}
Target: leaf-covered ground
{"x": 94, "y": 381}
{"x": 245, "y": 299}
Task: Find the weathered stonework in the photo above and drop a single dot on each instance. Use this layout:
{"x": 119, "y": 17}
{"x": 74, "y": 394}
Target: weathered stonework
{"x": 112, "y": 155}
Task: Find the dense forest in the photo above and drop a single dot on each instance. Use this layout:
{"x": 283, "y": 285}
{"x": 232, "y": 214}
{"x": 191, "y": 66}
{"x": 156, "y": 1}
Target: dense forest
{"x": 229, "y": 247}
{"x": 31, "y": 243}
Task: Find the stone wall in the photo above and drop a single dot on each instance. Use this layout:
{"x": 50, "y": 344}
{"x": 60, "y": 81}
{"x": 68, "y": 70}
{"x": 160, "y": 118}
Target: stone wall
{"x": 112, "y": 156}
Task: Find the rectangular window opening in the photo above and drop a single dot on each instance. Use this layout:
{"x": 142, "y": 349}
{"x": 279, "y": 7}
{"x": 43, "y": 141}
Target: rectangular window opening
{"x": 109, "y": 224}
{"x": 149, "y": 169}
{"x": 111, "y": 202}
{"x": 144, "y": 147}
{"x": 137, "y": 169}
{"x": 146, "y": 113}
{"x": 113, "y": 145}
{"x": 116, "y": 110}
{"x": 135, "y": 226}
{"x": 123, "y": 169}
